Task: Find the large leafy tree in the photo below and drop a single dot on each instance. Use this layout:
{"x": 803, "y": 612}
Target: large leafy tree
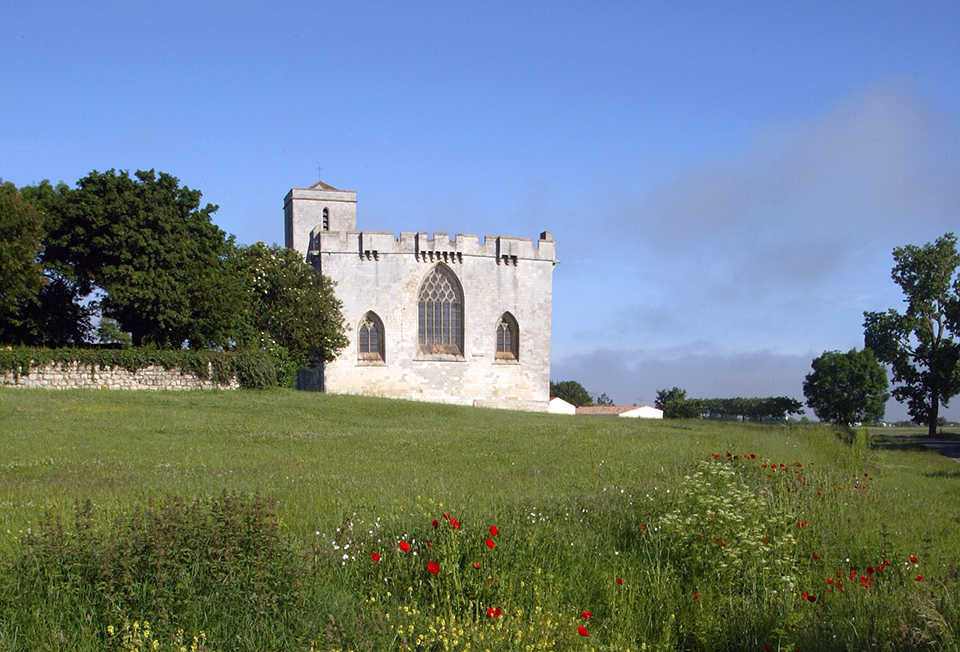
{"x": 59, "y": 315}
{"x": 846, "y": 388}
{"x": 162, "y": 265}
{"x": 288, "y": 303}
{"x": 920, "y": 344}
{"x": 571, "y": 391}
{"x": 21, "y": 276}
{"x": 664, "y": 396}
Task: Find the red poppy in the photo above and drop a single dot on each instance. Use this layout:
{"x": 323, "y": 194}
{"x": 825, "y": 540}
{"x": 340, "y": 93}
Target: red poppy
{"x": 716, "y": 455}
{"x": 619, "y": 580}
{"x": 919, "y": 578}
{"x": 435, "y": 523}
{"x": 886, "y": 563}
{"x": 429, "y": 545}
{"x": 493, "y": 612}
{"x": 696, "y": 597}
{"x": 816, "y": 556}
{"x": 869, "y": 570}
{"x": 494, "y": 531}
{"x": 582, "y": 631}
{"x": 586, "y": 614}
{"x": 433, "y": 567}
{"x": 375, "y": 556}
{"x": 404, "y": 546}
{"x": 454, "y": 523}
{"x": 446, "y": 515}
{"x": 491, "y": 544}
{"x": 477, "y": 565}
{"x": 913, "y": 559}
{"x": 812, "y": 598}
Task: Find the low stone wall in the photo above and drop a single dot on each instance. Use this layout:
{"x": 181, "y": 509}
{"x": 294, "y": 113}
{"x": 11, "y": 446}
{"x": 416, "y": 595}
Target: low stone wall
{"x": 82, "y": 376}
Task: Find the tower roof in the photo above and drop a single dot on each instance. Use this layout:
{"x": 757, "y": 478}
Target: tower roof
{"x": 320, "y": 185}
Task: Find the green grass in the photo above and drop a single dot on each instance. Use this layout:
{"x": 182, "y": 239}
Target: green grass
{"x": 579, "y": 502}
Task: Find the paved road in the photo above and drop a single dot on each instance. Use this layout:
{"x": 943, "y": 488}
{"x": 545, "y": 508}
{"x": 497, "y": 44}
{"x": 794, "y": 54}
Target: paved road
{"x": 943, "y": 446}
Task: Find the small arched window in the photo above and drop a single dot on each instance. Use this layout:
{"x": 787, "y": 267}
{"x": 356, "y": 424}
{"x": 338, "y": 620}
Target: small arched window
{"x": 508, "y": 338}
{"x": 370, "y": 339}
{"x": 326, "y": 220}
{"x": 440, "y": 313}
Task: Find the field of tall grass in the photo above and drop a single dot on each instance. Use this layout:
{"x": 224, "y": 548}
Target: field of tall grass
{"x": 280, "y": 520}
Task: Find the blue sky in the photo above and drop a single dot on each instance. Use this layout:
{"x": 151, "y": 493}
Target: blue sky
{"x": 725, "y": 181}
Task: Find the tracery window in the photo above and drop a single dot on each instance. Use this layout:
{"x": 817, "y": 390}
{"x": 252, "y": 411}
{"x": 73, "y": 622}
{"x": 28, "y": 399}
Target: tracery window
{"x": 508, "y": 338}
{"x": 440, "y": 322}
{"x": 370, "y": 339}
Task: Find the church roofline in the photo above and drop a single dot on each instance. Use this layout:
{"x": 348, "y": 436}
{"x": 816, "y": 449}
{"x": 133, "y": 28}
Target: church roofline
{"x": 508, "y": 249}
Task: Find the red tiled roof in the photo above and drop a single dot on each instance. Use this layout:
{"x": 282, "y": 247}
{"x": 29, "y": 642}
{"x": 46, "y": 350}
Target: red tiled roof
{"x": 605, "y": 409}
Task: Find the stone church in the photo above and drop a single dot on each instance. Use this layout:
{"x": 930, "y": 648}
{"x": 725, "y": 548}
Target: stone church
{"x": 431, "y": 318}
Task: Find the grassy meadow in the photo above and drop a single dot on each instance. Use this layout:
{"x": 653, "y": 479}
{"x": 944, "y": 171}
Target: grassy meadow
{"x": 280, "y": 520}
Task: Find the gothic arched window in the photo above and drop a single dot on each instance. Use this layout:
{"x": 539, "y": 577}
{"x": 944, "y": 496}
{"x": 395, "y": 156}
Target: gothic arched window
{"x": 508, "y": 338}
{"x": 370, "y": 339}
{"x": 440, "y": 322}
{"x": 326, "y": 220}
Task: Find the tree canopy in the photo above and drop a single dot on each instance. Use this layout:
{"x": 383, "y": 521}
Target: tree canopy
{"x": 142, "y": 252}
{"x": 665, "y": 395}
{"x": 158, "y": 258}
{"x": 288, "y": 303}
{"x": 676, "y": 405}
{"x": 572, "y": 392}
{"x": 21, "y": 276}
{"x": 920, "y": 344}
{"x": 847, "y": 388}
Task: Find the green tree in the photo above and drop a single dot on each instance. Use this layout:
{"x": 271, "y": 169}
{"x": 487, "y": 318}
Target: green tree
{"x": 683, "y": 408}
{"x": 920, "y": 345}
{"x": 287, "y": 303}
{"x": 60, "y": 316}
{"x": 572, "y": 392}
{"x": 159, "y": 260}
{"x": 665, "y": 395}
{"x": 21, "y": 276}
{"x": 603, "y": 399}
{"x": 847, "y": 388}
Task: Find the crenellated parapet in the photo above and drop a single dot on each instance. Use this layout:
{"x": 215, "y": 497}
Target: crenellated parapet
{"x": 371, "y": 245}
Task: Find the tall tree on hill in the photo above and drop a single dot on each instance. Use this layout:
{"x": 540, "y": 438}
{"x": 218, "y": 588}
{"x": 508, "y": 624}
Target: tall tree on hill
{"x": 288, "y": 303}
{"x": 920, "y": 345}
{"x": 21, "y": 276}
{"x": 59, "y": 316}
{"x": 846, "y": 388}
{"x": 158, "y": 258}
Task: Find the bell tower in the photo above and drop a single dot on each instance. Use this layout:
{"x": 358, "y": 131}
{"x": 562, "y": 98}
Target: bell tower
{"x": 320, "y": 207}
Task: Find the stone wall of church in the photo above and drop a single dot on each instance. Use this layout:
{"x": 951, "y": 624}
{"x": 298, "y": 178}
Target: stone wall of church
{"x": 376, "y": 272}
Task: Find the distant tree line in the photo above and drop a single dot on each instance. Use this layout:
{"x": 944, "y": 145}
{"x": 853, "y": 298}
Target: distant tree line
{"x": 135, "y": 260}
{"x": 676, "y": 405}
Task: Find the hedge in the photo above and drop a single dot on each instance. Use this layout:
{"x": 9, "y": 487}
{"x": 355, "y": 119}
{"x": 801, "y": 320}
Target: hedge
{"x": 253, "y": 369}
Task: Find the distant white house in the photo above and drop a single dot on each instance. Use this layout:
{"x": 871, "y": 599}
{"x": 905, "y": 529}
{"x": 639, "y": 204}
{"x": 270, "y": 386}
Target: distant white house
{"x": 559, "y": 406}
{"x": 643, "y": 412}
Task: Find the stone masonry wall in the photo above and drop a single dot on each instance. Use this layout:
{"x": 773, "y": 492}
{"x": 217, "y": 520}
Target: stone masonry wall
{"x": 387, "y": 280}
{"x": 81, "y": 376}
